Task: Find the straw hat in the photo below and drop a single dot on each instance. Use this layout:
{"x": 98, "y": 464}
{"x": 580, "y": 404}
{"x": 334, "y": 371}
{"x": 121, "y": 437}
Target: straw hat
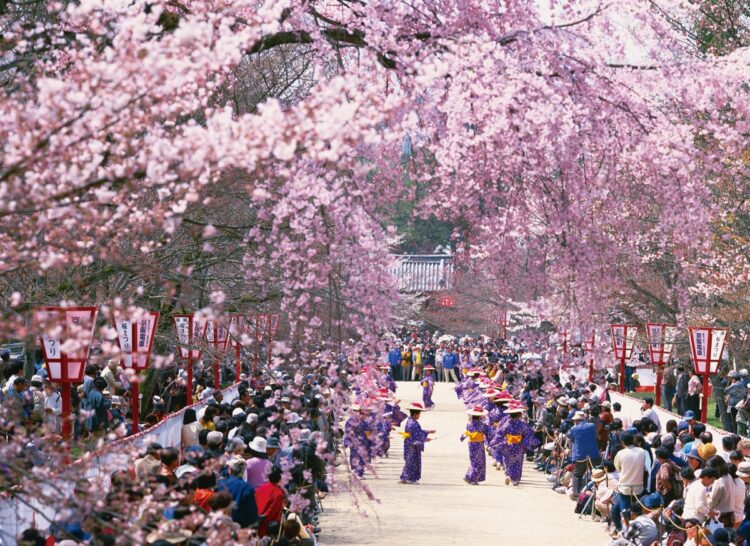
{"x": 579, "y": 416}
{"x": 428, "y": 367}
{"x": 173, "y": 537}
{"x": 477, "y": 411}
{"x": 516, "y": 408}
{"x": 415, "y": 406}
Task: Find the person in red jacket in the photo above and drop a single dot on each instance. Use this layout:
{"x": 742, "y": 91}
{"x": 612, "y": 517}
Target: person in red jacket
{"x": 270, "y": 500}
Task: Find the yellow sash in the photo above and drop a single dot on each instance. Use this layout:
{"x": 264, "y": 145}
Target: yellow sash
{"x": 404, "y": 435}
{"x": 513, "y": 439}
{"x": 474, "y": 436}
{"x": 425, "y": 383}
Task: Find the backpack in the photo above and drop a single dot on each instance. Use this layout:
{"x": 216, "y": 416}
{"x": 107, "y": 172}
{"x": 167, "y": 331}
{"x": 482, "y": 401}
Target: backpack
{"x": 677, "y": 485}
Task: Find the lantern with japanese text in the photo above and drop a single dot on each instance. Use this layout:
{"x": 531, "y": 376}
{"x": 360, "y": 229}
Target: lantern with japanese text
{"x": 623, "y": 342}
{"x": 135, "y": 337}
{"x": 707, "y": 347}
{"x": 190, "y": 331}
{"x": 660, "y": 344}
{"x": 503, "y": 320}
{"x": 65, "y": 338}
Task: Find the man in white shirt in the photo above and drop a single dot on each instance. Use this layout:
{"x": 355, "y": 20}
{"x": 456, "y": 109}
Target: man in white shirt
{"x": 696, "y": 496}
{"x": 648, "y": 412}
{"x": 630, "y": 462}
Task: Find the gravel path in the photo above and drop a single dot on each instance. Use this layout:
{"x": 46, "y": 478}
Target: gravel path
{"x": 443, "y": 509}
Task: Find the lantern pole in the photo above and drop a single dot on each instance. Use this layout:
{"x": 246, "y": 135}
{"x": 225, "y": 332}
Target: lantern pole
{"x": 217, "y": 372}
{"x": 621, "y": 388}
{"x": 707, "y": 372}
{"x": 189, "y": 386}
{"x": 238, "y": 362}
{"x": 67, "y": 425}
{"x": 659, "y": 365}
{"x": 591, "y": 369}
{"x": 135, "y": 405}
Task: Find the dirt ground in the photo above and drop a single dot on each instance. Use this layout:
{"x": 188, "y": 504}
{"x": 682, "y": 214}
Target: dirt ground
{"x": 443, "y": 509}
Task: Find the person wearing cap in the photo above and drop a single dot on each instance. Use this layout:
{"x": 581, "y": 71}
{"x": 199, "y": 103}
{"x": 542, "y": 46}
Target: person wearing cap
{"x": 476, "y": 432}
{"x": 641, "y": 531}
{"x": 428, "y": 385}
{"x": 605, "y": 487}
{"x": 514, "y": 438}
{"x": 244, "y": 508}
{"x": 414, "y": 439}
{"x": 585, "y": 451}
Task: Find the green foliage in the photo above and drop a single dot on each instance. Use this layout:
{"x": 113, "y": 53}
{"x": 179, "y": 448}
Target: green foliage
{"x": 722, "y": 26}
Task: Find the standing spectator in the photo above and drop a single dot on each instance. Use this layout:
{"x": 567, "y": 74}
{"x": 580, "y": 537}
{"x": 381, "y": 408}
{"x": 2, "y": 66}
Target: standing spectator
{"x": 428, "y": 356}
{"x": 110, "y": 375}
{"x": 270, "y": 499}
{"x": 406, "y": 362}
{"x": 719, "y": 383}
{"x": 20, "y": 398}
{"x": 734, "y": 393}
{"x": 439, "y": 355}
{"x": 98, "y": 420}
{"x": 244, "y": 509}
{"x": 585, "y": 450}
{"x": 450, "y": 361}
{"x": 416, "y": 361}
{"x": 695, "y": 389}
{"x": 681, "y": 389}
{"x": 52, "y": 407}
{"x": 394, "y": 361}
{"x": 630, "y": 462}
{"x": 668, "y": 387}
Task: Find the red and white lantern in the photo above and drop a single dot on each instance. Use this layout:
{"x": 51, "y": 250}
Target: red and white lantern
{"x": 189, "y": 331}
{"x": 707, "y": 347}
{"x": 65, "y": 337}
{"x": 217, "y": 336}
{"x": 623, "y": 342}
{"x": 661, "y": 339}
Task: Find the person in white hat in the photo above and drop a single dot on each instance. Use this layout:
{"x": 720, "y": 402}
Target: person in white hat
{"x": 414, "y": 439}
{"x": 258, "y": 466}
{"x": 477, "y": 431}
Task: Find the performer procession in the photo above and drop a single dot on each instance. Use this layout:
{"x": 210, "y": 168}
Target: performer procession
{"x": 527, "y": 407}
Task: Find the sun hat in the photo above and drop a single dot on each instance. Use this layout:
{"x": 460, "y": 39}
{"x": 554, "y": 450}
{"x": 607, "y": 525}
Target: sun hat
{"x": 477, "y": 411}
{"x": 579, "y": 416}
{"x": 184, "y": 469}
{"x": 607, "y": 404}
{"x": 415, "y": 406}
{"x": 251, "y": 418}
{"x": 293, "y": 418}
{"x": 515, "y": 408}
{"x": 237, "y": 411}
{"x": 743, "y": 469}
{"x": 259, "y": 444}
{"x": 428, "y": 367}
{"x": 598, "y": 475}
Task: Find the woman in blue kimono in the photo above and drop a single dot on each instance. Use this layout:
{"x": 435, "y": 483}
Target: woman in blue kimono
{"x": 496, "y": 418}
{"x": 428, "y": 385}
{"x": 414, "y": 438}
{"x": 514, "y": 438}
{"x": 477, "y": 433}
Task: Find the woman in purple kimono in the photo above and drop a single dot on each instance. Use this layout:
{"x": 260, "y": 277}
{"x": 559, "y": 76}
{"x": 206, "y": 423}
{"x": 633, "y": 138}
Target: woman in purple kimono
{"x": 428, "y": 385}
{"x": 385, "y": 379}
{"x": 514, "y": 438}
{"x": 496, "y": 418}
{"x": 357, "y": 439}
{"x": 477, "y": 432}
{"x": 414, "y": 438}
